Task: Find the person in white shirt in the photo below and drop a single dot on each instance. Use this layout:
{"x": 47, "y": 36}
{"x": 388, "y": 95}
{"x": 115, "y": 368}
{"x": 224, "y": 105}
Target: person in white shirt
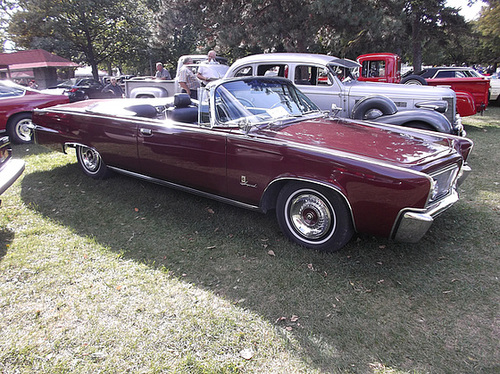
{"x": 205, "y": 74}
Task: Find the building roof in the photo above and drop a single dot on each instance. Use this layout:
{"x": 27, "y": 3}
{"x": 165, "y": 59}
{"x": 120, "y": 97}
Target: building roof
{"x": 34, "y": 58}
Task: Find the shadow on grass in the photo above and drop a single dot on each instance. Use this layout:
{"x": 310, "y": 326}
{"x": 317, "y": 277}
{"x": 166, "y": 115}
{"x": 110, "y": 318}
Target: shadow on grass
{"x": 20, "y": 150}
{"x": 6, "y": 238}
{"x": 360, "y": 303}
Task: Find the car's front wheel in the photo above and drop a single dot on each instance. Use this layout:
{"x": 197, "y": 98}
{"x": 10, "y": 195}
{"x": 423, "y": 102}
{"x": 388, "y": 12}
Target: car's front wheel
{"x": 91, "y": 162}
{"x": 314, "y": 217}
{"x": 19, "y": 128}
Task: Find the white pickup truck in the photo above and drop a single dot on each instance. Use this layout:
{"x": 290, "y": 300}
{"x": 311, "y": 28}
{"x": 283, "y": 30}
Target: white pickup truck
{"x": 150, "y": 87}
{"x": 325, "y": 80}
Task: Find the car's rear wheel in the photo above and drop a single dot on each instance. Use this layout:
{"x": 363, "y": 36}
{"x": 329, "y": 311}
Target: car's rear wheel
{"x": 314, "y": 217}
{"x": 91, "y": 162}
{"x": 19, "y": 128}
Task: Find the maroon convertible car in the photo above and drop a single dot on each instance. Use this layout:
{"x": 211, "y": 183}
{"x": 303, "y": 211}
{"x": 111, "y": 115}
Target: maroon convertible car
{"x": 259, "y": 143}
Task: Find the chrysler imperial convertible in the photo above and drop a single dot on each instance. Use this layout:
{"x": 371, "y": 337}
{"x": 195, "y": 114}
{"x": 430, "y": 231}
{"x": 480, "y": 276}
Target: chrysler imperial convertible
{"x": 260, "y": 143}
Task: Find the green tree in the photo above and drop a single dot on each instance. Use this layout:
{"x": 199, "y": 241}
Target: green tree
{"x": 488, "y": 25}
{"x": 88, "y": 31}
{"x": 7, "y": 8}
{"x": 238, "y": 27}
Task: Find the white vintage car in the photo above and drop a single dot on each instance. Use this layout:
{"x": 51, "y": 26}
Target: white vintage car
{"x": 325, "y": 80}
{"x": 495, "y": 88}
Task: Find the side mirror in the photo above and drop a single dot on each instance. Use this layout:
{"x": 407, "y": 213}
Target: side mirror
{"x": 334, "y": 111}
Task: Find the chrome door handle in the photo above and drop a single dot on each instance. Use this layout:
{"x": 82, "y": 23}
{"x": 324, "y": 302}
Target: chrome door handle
{"x": 146, "y": 132}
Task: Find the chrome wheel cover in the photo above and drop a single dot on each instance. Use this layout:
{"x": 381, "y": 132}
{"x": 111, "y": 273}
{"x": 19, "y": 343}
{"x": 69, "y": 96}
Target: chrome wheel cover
{"x": 310, "y": 216}
{"x": 414, "y": 82}
{"x": 90, "y": 159}
{"x": 23, "y": 130}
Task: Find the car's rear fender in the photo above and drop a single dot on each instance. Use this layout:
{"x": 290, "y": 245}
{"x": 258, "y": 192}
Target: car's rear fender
{"x": 465, "y": 103}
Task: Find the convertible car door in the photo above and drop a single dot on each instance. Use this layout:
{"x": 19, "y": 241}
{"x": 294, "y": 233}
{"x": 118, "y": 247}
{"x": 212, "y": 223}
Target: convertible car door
{"x": 185, "y": 154}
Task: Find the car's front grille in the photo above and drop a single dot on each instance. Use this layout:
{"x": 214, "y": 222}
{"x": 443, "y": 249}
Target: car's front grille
{"x": 451, "y": 111}
{"x": 444, "y": 182}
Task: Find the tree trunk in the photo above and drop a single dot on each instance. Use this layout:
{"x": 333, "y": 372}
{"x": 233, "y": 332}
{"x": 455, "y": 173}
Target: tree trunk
{"x": 416, "y": 45}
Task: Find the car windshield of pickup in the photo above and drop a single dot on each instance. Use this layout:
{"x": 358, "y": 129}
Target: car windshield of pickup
{"x": 260, "y": 100}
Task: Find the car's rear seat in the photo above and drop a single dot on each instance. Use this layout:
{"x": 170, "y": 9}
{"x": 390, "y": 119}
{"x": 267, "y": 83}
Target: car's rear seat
{"x": 143, "y": 110}
{"x": 183, "y": 109}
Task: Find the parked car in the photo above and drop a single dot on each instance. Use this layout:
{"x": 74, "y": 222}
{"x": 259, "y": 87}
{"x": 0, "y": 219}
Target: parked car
{"x": 10, "y": 168}
{"x": 471, "y": 88}
{"x": 260, "y": 143}
{"x": 318, "y": 77}
{"x": 80, "y": 89}
{"x": 16, "y": 106}
{"x": 494, "y": 89}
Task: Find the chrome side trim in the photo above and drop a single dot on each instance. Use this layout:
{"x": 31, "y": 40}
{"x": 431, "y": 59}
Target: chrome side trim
{"x": 412, "y": 224}
{"x": 186, "y": 189}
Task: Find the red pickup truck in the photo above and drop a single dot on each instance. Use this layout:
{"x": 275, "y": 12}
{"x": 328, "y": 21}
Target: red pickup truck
{"x": 471, "y": 88}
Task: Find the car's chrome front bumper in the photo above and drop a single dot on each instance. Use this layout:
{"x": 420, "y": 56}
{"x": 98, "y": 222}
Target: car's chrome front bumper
{"x": 12, "y": 169}
{"x": 413, "y": 224}
{"x": 458, "y": 126}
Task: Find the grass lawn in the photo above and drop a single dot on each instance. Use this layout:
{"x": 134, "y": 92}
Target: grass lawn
{"x": 120, "y": 276}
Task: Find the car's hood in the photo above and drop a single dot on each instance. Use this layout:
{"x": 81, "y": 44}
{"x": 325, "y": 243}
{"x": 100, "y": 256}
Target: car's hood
{"x": 383, "y": 143}
{"x": 400, "y": 91}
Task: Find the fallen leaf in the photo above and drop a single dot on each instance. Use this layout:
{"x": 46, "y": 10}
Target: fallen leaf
{"x": 271, "y": 253}
{"x": 136, "y": 209}
{"x": 247, "y": 353}
{"x": 288, "y": 328}
{"x": 210, "y": 210}
{"x": 294, "y": 318}
{"x": 280, "y": 319}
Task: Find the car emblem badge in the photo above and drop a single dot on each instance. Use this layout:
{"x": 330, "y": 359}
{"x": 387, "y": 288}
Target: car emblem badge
{"x": 244, "y": 182}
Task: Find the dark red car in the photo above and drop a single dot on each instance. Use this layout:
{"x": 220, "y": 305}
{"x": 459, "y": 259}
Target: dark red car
{"x": 16, "y": 106}
{"x": 260, "y": 143}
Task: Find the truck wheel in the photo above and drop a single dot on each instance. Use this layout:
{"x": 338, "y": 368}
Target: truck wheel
{"x": 19, "y": 128}
{"x": 373, "y": 107}
{"x": 314, "y": 217}
{"x": 91, "y": 162}
{"x": 416, "y": 80}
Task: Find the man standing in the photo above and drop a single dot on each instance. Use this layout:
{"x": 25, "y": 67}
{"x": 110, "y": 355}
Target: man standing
{"x": 113, "y": 88}
{"x": 187, "y": 80}
{"x": 205, "y": 73}
{"x": 161, "y": 73}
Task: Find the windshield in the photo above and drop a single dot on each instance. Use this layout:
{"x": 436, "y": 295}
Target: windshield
{"x": 255, "y": 101}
